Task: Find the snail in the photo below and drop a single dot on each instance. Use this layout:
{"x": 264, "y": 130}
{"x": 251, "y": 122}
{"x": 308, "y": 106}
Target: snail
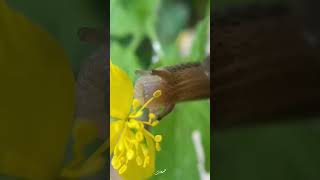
{"x": 183, "y": 82}
{"x": 92, "y": 82}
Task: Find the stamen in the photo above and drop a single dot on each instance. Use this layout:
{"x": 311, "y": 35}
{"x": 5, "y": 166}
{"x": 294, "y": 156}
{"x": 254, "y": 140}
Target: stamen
{"x": 155, "y": 95}
{"x": 116, "y": 151}
{"x": 115, "y": 163}
{"x": 120, "y": 146}
{"x": 130, "y": 154}
{"x": 152, "y": 116}
{"x": 139, "y": 161}
{"x": 145, "y": 150}
{"x": 139, "y": 136}
{"x": 146, "y": 123}
{"x": 126, "y": 144}
{"x": 133, "y": 124}
{"x": 148, "y": 133}
{"x": 158, "y": 148}
{"x": 135, "y": 104}
{"x": 136, "y": 115}
{"x": 155, "y": 123}
{"x": 122, "y": 159}
{"x": 123, "y": 169}
{"x": 146, "y": 161}
{"x": 158, "y": 138}
{"x": 131, "y": 144}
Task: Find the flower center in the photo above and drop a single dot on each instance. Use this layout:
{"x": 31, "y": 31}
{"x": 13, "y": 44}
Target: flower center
{"x": 134, "y": 142}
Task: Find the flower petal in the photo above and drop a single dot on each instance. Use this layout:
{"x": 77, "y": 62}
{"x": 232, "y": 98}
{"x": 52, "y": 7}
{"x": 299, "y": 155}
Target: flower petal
{"x": 89, "y": 168}
{"x": 135, "y": 172}
{"x": 116, "y": 128}
{"x": 36, "y": 99}
{"x": 121, "y": 92}
{"x": 85, "y": 132}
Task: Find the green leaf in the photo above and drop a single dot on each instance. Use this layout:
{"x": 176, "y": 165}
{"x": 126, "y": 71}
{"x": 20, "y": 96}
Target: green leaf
{"x": 178, "y": 154}
{"x": 172, "y": 19}
{"x": 171, "y": 56}
{"x": 124, "y": 58}
{"x": 132, "y": 17}
{"x": 199, "y": 43}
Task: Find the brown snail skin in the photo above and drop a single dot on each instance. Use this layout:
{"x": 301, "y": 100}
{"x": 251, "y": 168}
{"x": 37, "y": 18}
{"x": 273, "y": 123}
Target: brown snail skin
{"x": 183, "y": 82}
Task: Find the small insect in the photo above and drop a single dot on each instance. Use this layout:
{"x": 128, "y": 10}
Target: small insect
{"x": 183, "y": 82}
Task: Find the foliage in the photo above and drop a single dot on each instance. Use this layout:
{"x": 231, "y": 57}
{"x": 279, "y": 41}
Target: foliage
{"x": 62, "y": 19}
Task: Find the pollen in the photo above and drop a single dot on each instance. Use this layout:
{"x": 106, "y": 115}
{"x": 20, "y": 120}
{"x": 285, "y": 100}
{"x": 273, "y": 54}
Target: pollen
{"x": 134, "y": 142}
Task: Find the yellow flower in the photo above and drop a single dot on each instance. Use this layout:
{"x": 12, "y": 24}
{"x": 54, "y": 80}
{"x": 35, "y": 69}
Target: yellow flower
{"x": 132, "y": 147}
{"x": 36, "y": 99}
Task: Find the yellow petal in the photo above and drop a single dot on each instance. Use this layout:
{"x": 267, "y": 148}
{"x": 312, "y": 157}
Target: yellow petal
{"x": 36, "y": 99}
{"x": 121, "y": 93}
{"x": 135, "y": 172}
{"x": 89, "y": 168}
{"x": 85, "y": 132}
{"x": 116, "y": 128}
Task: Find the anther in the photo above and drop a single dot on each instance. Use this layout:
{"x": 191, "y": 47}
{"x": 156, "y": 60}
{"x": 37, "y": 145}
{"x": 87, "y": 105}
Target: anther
{"x": 146, "y": 161}
{"x": 135, "y": 104}
{"x": 115, "y": 163}
{"x": 131, "y": 124}
{"x": 158, "y": 148}
{"x": 122, "y": 159}
{"x": 155, "y": 123}
{"x": 120, "y": 147}
{"x": 152, "y": 116}
{"x": 130, "y": 154}
{"x": 139, "y": 136}
{"x": 123, "y": 169}
{"x": 139, "y": 161}
{"x": 157, "y": 93}
{"x": 158, "y": 138}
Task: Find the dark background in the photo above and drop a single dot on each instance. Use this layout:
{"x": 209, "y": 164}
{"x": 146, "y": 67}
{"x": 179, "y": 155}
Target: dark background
{"x": 266, "y": 84}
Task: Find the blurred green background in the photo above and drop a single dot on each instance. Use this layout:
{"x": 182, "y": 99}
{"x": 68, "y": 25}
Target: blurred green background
{"x": 287, "y": 151}
{"x": 145, "y": 34}
{"x": 63, "y": 19}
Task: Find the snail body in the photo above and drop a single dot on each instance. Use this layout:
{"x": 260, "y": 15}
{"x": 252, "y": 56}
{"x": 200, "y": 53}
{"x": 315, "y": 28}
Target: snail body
{"x": 92, "y": 82}
{"x": 183, "y": 82}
